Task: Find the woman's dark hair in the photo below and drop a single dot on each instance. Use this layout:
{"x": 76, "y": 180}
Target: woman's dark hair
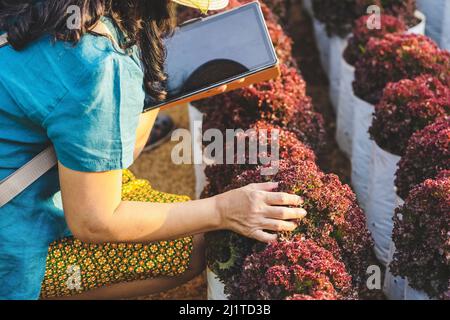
{"x": 145, "y": 22}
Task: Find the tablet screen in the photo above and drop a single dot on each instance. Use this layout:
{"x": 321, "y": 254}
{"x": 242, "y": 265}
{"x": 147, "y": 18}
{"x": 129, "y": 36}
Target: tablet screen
{"x": 217, "y": 48}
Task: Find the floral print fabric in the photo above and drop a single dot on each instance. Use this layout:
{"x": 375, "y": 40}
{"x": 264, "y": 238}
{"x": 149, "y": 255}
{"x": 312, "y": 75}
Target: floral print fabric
{"x": 74, "y": 267}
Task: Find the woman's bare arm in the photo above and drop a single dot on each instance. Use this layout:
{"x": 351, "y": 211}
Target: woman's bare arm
{"x": 146, "y": 122}
{"x": 96, "y": 214}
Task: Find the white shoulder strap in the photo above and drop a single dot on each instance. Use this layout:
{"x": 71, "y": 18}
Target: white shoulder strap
{"x": 17, "y": 182}
{"x": 3, "y": 40}
{"x": 21, "y": 179}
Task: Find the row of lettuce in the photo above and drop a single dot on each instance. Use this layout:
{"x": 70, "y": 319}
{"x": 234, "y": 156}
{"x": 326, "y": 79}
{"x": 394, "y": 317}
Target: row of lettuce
{"x": 328, "y": 255}
{"x": 393, "y": 114}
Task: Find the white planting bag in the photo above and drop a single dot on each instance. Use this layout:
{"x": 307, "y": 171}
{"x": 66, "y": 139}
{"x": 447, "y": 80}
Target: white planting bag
{"x": 307, "y": 5}
{"x": 344, "y": 115}
{"x": 216, "y": 289}
{"x": 420, "y": 28}
{"x": 445, "y": 39}
{"x": 195, "y": 124}
{"x": 382, "y": 200}
{"x": 344, "y": 122}
{"x": 410, "y": 293}
{"x": 438, "y": 20}
{"x": 362, "y": 149}
{"x": 323, "y": 44}
{"x": 394, "y": 287}
{"x": 337, "y": 47}
{"x": 400, "y": 202}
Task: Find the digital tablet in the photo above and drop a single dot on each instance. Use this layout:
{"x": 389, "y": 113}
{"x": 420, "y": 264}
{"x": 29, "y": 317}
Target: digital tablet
{"x": 209, "y": 52}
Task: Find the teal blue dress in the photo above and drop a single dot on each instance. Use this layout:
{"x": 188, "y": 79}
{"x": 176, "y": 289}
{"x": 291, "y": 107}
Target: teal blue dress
{"x": 86, "y": 101}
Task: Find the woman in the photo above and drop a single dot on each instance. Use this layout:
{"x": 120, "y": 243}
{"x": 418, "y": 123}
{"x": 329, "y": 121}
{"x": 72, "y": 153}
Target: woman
{"x": 82, "y": 89}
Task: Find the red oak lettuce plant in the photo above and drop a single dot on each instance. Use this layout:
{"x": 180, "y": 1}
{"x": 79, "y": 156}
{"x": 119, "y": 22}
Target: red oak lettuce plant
{"x": 427, "y": 154}
{"x": 338, "y": 16}
{"x": 408, "y": 106}
{"x": 296, "y": 269}
{"x": 279, "y": 7}
{"x": 362, "y": 34}
{"x": 226, "y": 252}
{"x": 289, "y": 147}
{"x": 282, "y": 102}
{"x": 334, "y": 220}
{"x": 422, "y": 237}
{"x": 396, "y": 57}
{"x": 402, "y": 9}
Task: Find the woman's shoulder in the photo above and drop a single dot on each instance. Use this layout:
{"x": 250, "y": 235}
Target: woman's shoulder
{"x": 86, "y": 53}
{"x": 91, "y": 55}
{"x": 52, "y": 69}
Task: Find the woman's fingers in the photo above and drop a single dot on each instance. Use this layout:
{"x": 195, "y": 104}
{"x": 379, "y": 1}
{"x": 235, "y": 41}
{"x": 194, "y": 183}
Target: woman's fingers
{"x": 218, "y": 90}
{"x": 282, "y": 213}
{"x": 265, "y": 237}
{"x": 283, "y": 199}
{"x": 256, "y": 211}
{"x": 278, "y": 225}
{"x": 222, "y": 89}
{"x": 266, "y": 186}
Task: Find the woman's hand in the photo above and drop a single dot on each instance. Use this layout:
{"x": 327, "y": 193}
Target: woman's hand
{"x": 218, "y": 90}
{"x": 95, "y": 212}
{"x": 254, "y": 209}
{"x": 224, "y": 88}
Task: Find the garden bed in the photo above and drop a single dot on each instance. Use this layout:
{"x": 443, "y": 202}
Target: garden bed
{"x": 400, "y": 101}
